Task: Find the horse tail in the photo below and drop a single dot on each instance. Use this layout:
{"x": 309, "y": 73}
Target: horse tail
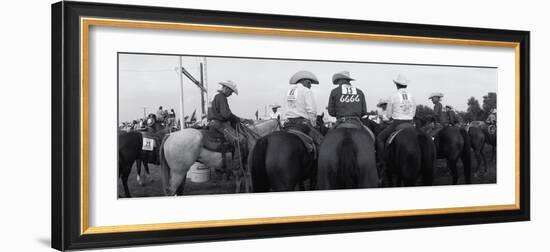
{"x": 348, "y": 171}
{"x": 466, "y": 155}
{"x": 260, "y": 182}
{"x": 427, "y": 149}
{"x": 164, "y": 167}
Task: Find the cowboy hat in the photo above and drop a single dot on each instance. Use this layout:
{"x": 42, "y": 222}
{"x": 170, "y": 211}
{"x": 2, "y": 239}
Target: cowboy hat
{"x": 230, "y": 85}
{"x": 275, "y": 106}
{"x": 150, "y": 121}
{"x": 382, "y": 101}
{"x": 341, "y": 75}
{"x": 303, "y": 75}
{"x": 401, "y": 80}
{"x": 436, "y": 94}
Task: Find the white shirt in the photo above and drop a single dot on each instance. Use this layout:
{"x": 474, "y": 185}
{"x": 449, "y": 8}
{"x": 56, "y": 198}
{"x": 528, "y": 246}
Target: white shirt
{"x": 382, "y": 114}
{"x": 275, "y": 115}
{"x": 401, "y": 105}
{"x": 300, "y": 103}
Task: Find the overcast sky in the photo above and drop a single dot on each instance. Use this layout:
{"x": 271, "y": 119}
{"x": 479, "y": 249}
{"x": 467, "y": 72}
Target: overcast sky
{"x": 151, "y": 80}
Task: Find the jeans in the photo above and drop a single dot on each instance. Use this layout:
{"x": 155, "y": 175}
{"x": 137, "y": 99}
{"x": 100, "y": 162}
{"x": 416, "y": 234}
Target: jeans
{"x": 305, "y": 123}
{"x": 230, "y": 135}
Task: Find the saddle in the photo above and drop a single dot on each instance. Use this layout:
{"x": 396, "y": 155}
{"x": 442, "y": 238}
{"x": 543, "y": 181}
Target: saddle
{"x": 359, "y": 125}
{"x": 306, "y": 139}
{"x": 398, "y": 130}
{"x": 215, "y": 142}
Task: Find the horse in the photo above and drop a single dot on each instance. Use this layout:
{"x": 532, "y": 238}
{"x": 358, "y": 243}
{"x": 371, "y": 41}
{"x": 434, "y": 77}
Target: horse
{"x": 181, "y": 149}
{"x": 410, "y": 155}
{"x": 157, "y": 131}
{"x": 129, "y": 150}
{"x": 453, "y": 143}
{"x": 280, "y": 161}
{"x": 478, "y": 140}
{"x": 491, "y": 139}
{"x": 347, "y": 160}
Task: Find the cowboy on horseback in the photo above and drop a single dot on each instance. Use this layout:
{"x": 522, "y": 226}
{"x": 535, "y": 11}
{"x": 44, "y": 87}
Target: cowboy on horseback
{"x": 443, "y": 116}
{"x": 401, "y": 108}
{"x": 492, "y": 120}
{"x": 381, "y": 112}
{"x": 301, "y": 107}
{"x": 223, "y": 121}
{"x": 275, "y": 114}
{"x": 346, "y": 103}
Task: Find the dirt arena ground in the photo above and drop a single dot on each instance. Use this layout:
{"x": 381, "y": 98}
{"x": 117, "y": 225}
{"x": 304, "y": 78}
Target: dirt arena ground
{"x": 217, "y": 185}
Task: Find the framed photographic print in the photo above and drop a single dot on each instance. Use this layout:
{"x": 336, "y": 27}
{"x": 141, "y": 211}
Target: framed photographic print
{"x": 179, "y": 125}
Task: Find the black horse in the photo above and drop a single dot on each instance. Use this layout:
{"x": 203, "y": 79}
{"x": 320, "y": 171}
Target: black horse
{"x": 156, "y": 131}
{"x": 281, "y": 161}
{"x": 478, "y": 139}
{"x": 347, "y": 160}
{"x": 410, "y": 156}
{"x": 129, "y": 151}
{"x": 452, "y": 143}
{"x": 491, "y": 139}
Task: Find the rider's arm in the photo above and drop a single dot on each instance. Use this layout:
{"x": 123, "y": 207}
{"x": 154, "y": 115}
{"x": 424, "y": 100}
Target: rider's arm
{"x": 364, "y": 110}
{"x": 437, "y": 111}
{"x": 389, "y": 108}
{"x": 311, "y": 108}
{"x": 332, "y": 103}
{"x": 223, "y": 107}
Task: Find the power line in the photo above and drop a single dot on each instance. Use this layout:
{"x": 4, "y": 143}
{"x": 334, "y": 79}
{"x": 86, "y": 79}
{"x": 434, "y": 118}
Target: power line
{"x": 140, "y": 70}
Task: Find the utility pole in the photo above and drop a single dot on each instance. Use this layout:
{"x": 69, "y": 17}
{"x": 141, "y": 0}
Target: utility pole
{"x": 145, "y": 111}
{"x": 180, "y": 77}
{"x": 203, "y": 107}
{"x": 205, "y": 85}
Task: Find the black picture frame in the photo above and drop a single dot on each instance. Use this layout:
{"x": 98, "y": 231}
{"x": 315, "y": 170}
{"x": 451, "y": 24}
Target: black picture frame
{"x": 66, "y": 125}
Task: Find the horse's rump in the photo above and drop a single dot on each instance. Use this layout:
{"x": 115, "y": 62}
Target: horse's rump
{"x": 129, "y": 146}
{"x": 279, "y": 161}
{"x": 346, "y": 160}
{"x": 405, "y": 155}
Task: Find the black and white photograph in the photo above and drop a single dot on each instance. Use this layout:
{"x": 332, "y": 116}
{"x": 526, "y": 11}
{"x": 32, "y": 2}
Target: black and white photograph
{"x": 201, "y": 124}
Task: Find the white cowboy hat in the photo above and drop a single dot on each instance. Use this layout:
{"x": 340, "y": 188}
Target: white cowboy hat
{"x": 303, "y": 75}
{"x": 150, "y": 121}
{"x": 401, "y": 80}
{"x": 341, "y": 75}
{"x": 436, "y": 94}
{"x": 382, "y": 101}
{"x": 230, "y": 85}
{"x": 275, "y": 106}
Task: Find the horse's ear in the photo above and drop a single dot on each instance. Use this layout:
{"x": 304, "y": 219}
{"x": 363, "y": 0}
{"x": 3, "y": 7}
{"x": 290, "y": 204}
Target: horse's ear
{"x": 323, "y": 115}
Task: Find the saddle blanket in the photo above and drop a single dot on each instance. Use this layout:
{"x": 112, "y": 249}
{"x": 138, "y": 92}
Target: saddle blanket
{"x": 148, "y": 144}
